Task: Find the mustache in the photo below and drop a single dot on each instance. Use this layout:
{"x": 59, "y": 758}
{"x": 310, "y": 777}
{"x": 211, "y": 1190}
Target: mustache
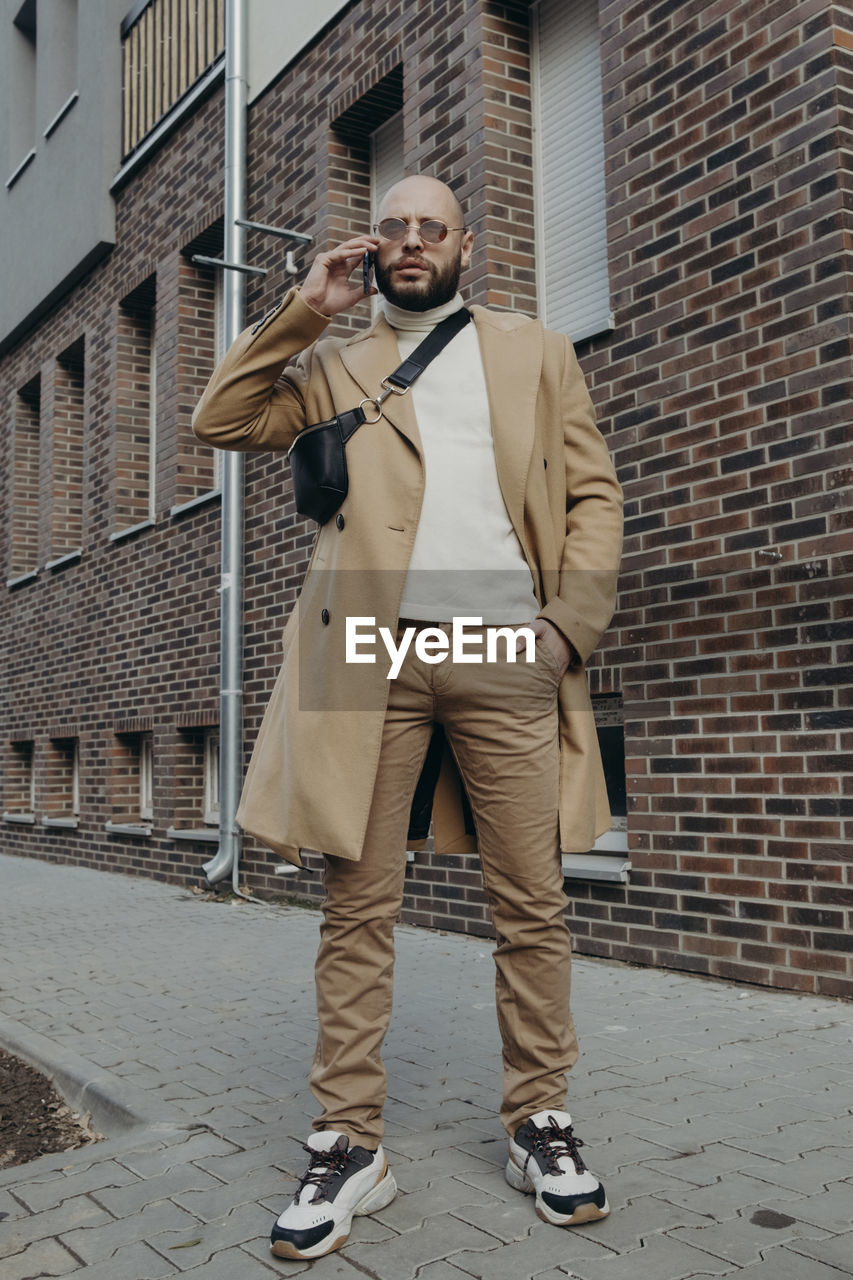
{"x": 413, "y": 262}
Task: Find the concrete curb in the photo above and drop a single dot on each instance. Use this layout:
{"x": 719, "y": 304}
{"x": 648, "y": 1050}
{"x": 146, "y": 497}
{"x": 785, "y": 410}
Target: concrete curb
{"x": 115, "y": 1105}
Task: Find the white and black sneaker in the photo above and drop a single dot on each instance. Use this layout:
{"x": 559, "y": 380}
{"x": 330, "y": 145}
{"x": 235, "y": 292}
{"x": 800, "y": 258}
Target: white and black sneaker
{"x": 544, "y": 1158}
{"x": 340, "y": 1182}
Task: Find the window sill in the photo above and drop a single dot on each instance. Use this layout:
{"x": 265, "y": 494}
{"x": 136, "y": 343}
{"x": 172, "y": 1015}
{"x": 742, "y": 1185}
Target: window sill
{"x": 209, "y": 834}
{"x": 70, "y": 557}
{"x": 61, "y": 822}
{"x": 613, "y": 841}
{"x": 212, "y": 495}
{"x": 11, "y": 583}
{"x": 27, "y": 819}
{"x": 15, "y": 175}
{"x": 596, "y": 866}
{"x": 128, "y": 828}
{"x": 131, "y": 530}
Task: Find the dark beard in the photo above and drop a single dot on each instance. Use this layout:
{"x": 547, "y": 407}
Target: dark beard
{"x": 441, "y": 287}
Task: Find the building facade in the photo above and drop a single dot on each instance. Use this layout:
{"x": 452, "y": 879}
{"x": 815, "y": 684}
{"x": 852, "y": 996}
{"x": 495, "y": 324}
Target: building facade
{"x": 666, "y": 182}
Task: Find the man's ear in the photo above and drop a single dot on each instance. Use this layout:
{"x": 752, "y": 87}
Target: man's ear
{"x": 467, "y": 248}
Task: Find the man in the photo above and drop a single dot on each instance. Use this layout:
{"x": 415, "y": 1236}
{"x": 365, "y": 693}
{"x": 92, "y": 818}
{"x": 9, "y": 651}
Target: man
{"x": 486, "y": 492}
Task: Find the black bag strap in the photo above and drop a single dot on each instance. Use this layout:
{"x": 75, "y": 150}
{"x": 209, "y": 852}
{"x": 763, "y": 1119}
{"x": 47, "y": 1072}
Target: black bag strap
{"x": 435, "y": 341}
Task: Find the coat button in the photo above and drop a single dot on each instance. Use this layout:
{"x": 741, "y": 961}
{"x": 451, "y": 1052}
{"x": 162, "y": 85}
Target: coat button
{"x": 325, "y": 617}
{"x": 339, "y": 521}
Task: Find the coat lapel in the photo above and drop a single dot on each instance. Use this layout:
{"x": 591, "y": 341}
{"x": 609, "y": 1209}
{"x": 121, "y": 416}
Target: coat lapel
{"x": 368, "y": 359}
{"x": 512, "y": 359}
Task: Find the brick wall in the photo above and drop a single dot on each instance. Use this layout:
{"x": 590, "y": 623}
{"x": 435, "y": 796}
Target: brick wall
{"x": 723, "y": 392}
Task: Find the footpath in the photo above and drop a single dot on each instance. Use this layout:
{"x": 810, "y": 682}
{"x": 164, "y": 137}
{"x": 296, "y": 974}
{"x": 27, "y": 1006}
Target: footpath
{"x": 720, "y": 1117}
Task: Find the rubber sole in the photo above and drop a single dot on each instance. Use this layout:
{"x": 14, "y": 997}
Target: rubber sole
{"x": 376, "y": 1198}
{"x": 587, "y": 1212}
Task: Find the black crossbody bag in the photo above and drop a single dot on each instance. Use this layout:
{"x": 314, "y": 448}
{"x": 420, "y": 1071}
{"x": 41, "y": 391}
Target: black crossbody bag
{"x": 318, "y": 457}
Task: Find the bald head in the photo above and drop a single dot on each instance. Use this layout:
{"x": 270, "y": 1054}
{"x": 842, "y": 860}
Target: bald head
{"x": 420, "y": 196}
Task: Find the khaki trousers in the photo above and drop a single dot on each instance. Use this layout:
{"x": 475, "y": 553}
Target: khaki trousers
{"x": 501, "y": 722}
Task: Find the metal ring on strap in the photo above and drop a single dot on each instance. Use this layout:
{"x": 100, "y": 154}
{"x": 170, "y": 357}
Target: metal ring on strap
{"x": 377, "y": 406}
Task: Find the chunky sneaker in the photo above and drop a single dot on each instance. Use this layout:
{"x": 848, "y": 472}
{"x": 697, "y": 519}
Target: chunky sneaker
{"x": 340, "y": 1182}
{"x": 544, "y": 1158}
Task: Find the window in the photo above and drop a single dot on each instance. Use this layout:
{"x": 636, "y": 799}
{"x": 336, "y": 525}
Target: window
{"x": 571, "y": 232}
{"x": 132, "y": 779}
{"x": 610, "y": 729}
{"x": 196, "y": 780}
{"x": 62, "y": 803}
{"x": 211, "y": 777}
{"x": 19, "y": 798}
{"x": 201, "y": 345}
{"x": 66, "y": 528}
{"x": 146, "y": 778}
{"x": 386, "y": 166}
{"x": 26, "y": 454}
{"x": 386, "y": 158}
{"x": 608, "y": 858}
{"x": 136, "y": 409}
{"x": 365, "y": 158}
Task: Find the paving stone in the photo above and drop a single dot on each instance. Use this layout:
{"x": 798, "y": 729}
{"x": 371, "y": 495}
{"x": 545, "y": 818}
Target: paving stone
{"x": 239, "y": 1163}
{"x": 809, "y": 1174}
{"x": 444, "y": 1271}
{"x": 659, "y": 1257}
{"x": 834, "y": 1251}
{"x": 77, "y": 1211}
{"x": 131, "y": 1262}
{"x": 788, "y": 1142}
{"x": 831, "y": 1209}
{"x": 182, "y": 1178}
{"x": 733, "y": 1195}
{"x": 784, "y": 1264}
{"x": 244, "y": 1224}
{"x": 237, "y": 1264}
{"x": 446, "y": 1195}
{"x": 10, "y": 1208}
{"x": 219, "y": 1198}
{"x": 642, "y": 1216}
{"x": 707, "y": 1166}
{"x": 437, "y": 1240}
{"x": 195, "y": 1146}
{"x": 742, "y": 1241}
{"x": 94, "y": 1244}
{"x": 544, "y": 1248}
{"x": 418, "y": 1145}
{"x": 42, "y": 1258}
{"x": 414, "y": 1175}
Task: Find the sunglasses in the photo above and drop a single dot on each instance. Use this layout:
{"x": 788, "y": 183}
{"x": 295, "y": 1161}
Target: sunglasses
{"x": 432, "y": 230}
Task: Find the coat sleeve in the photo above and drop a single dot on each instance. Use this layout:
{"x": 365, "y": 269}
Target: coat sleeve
{"x": 589, "y": 563}
{"x": 251, "y": 401}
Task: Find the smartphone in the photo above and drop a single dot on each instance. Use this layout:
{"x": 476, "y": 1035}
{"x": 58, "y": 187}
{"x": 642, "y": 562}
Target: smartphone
{"x": 367, "y": 267}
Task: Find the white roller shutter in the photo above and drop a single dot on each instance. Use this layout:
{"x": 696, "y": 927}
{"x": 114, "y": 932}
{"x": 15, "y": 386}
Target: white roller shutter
{"x": 386, "y": 158}
{"x": 571, "y": 213}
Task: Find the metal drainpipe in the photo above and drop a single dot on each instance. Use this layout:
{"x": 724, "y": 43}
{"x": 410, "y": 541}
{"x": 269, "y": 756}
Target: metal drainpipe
{"x": 231, "y": 585}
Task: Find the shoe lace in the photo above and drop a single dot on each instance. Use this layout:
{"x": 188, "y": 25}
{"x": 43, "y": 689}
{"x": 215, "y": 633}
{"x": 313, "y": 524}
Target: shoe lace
{"x": 554, "y": 1141}
{"x": 323, "y": 1166}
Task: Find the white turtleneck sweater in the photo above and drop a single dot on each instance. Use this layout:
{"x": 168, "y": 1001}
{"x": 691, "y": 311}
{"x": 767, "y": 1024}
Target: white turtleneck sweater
{"x": 467, "y": 559}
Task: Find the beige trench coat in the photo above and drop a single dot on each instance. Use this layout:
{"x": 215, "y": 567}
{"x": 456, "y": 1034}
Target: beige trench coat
{"x": 311, "y": 776}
